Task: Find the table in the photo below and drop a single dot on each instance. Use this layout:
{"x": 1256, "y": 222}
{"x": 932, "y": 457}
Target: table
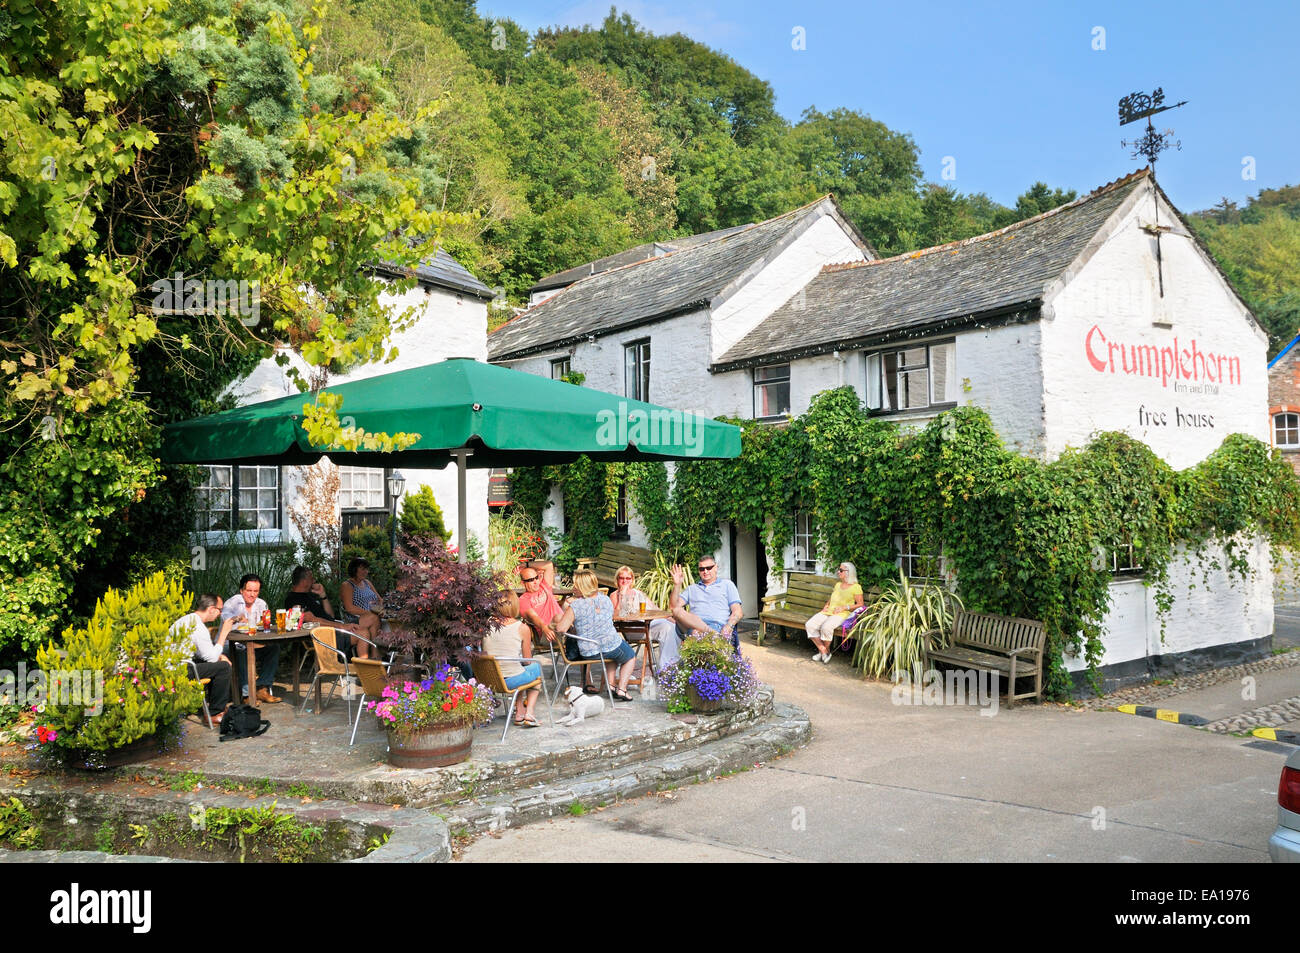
{"x": 266, "y": 637}
{"x": 636, "y": 629}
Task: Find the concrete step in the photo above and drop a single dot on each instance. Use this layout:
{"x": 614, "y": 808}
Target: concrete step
{"x": 785, "y": 728}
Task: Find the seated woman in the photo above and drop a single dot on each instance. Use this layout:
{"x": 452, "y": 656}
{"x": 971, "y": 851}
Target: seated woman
{"x": 509, "y": 639}
{"x": 591, "y": 616}
{"x": 845, "y": 598}
{"x": 628, "y": 601}
{"x": 360, "y": 600}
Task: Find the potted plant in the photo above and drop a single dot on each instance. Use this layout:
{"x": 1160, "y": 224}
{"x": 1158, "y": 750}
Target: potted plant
{"x": 430, "y": 723}
{"x": 708, "y": 676}
{"x": 439, "y": 606}
{"x": 898, "y": 630}
{"x": 115, "y": 691}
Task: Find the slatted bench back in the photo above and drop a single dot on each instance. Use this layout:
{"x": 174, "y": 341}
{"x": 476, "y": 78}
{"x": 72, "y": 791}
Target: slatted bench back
{"x": 612, "y": 555}
{"x": 807, "y": 593}
{"x": 997, "y": 631}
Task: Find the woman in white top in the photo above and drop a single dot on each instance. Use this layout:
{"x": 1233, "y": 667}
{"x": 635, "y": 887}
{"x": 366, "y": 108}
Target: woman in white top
{"x": 509, "y": 639}
{"x": 628, "y": 601}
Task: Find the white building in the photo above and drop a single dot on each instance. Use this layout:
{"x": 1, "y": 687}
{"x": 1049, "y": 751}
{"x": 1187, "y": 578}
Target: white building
{"x": 1056, "y": 326}
{"x": 452, "y": 322}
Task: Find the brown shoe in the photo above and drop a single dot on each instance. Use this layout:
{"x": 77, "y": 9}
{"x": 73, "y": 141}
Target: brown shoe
{"x": 264, "y": 695}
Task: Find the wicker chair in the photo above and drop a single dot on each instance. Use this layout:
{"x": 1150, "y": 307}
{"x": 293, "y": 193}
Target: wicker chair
{"x": 374, "y": 679}
{"x": 330, "y": 661}
{"x": 487, "y": 670}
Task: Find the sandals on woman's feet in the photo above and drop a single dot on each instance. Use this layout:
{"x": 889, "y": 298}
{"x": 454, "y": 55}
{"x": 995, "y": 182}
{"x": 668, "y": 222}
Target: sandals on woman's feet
{"x": 622, "y": 696}
{"x": 528, "y": 723}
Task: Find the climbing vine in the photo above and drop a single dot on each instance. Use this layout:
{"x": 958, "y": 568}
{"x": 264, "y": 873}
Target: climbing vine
{"x": 1018, "y": 535}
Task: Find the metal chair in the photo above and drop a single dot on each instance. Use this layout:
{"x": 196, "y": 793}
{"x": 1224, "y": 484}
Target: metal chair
{"x": 584, "y": 661}
{"x": 374, "y": 679}
{"x": 329, "y": 661}
{"x": 487, "y": 671}
{"x": 194, "y": 674}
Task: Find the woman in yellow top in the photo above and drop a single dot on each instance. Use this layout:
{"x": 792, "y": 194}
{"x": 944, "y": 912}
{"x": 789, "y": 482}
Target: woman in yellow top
{"x": 845, "y": 597}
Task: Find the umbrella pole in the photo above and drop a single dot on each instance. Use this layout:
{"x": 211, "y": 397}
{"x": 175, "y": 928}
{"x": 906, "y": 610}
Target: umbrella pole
{"x": 461, "y": 531}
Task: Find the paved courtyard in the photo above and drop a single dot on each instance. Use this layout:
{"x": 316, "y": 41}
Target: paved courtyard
{"x": 882, "y": 781}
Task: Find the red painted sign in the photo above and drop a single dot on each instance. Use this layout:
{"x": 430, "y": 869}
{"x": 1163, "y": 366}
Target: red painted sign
{"x": 1168, "y": 363}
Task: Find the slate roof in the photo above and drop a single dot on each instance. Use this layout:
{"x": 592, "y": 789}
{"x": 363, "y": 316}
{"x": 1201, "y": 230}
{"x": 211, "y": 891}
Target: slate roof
{"x": 562, "y": 279}
{"x": 443, "y": 271}
{"x": 656, "y": 288}
{"x": 1004, "y": 272}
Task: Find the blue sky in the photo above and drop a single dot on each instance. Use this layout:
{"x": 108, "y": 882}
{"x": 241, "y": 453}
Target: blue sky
{"x": 1015, "y": 92}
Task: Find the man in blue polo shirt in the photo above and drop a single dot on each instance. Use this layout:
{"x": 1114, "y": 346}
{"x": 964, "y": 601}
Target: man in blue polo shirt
{"x": 714, "y": 603}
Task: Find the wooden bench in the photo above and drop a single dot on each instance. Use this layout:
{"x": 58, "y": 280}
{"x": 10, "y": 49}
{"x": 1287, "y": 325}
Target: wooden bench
{"x": 997, "y": 643}
{"x": 614, "y": 554}
{"x": 804, "y": 597}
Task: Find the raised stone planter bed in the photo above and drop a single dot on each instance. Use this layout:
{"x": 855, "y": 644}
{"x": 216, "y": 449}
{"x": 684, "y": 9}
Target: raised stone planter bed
{"x": 75, "y": 818}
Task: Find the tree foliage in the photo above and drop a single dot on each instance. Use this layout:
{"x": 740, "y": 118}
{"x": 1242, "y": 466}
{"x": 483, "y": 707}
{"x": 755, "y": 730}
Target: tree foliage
{"x": 147, "y": 140}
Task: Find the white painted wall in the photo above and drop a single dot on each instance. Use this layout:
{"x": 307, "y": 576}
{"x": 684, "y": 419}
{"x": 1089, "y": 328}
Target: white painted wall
{"x": 679, "y": 367}
{"x": 756, "y": 296}
{"x": 1114, "y": 300}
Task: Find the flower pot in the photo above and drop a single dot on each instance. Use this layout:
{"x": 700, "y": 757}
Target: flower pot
{"x": 142, "y": 749}
{"x": 702, "y": 705}
{"x": 433, "y": 747}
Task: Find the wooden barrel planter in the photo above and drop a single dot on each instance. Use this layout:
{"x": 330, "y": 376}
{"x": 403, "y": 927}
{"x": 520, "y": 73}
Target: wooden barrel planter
{"x": 434, "y": 747}
{"x": 700, "y": 704}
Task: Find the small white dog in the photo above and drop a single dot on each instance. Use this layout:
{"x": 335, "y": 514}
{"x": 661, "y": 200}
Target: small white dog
{"x": 581, "y": 706}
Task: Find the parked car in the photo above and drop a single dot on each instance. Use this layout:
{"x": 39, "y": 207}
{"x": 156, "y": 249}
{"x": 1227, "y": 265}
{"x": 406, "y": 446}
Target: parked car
{"x": 1284, "y": 845}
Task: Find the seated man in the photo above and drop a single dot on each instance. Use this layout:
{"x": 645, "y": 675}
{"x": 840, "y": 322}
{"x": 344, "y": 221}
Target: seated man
{"x": 208, "y": 659}
{"x": 246, "y": 606}
{"x": 306, "y": 592}
{"x": 540, "y": 609}
{"x": 714, "y": 603}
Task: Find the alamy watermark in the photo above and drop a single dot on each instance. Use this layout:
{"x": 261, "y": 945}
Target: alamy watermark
{"x": 954, "y": 687}
{"x": 641, "y": 427}
{"x": 76, "y": 687}
{"x": 181, "y": 295}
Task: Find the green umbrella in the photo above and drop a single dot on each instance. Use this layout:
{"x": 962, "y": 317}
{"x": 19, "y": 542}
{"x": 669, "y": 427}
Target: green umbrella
{"x": 479, "y": 414}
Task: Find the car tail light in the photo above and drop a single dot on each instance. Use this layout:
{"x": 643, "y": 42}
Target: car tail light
{"x": 1288, "y": 790}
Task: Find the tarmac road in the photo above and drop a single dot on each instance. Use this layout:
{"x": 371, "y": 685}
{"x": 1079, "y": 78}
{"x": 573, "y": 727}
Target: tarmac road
{"x": 890, "y": 782}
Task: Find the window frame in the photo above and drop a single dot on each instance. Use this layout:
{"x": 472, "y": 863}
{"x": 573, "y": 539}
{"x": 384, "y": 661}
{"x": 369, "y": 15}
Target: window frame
{"x": 876, "y": 383}
{"x": 383, "y": 488}
{"x": 762, "y": 385}
{"x": 636, "y": 370}
{"x": 234, "y": 488}
{"x": 910, "y": 556}
{"x": 808, "y": 538}
{"x": 564, "y": 365}
{"x": 1278, "y": 425}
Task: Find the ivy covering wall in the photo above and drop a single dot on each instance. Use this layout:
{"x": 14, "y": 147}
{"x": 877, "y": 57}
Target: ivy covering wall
{"x": 1021, "y": 536}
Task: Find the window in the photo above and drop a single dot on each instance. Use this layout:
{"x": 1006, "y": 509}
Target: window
{"x": 361, "y": 488}
{"x": 771, "y": 391}
{"x": 212, "y": 506}
{"x": 1123, "y": 560}
{"x": 560, "y": 368}
{"x": 911, "y": 555}
{"x": 805, "y": 543}
{"x": 233, "y": 498}
{"x": 636, "y": 370}
{"x": 913, "y": 378}
{"x": 1286, "y": 430}
{"x": 620, "y": 511}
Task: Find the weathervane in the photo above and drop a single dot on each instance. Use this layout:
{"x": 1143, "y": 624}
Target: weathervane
{"x": 1137, "y": 106}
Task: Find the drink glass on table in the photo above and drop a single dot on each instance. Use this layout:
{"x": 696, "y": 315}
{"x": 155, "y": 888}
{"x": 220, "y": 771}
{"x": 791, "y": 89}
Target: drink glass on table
{"x": 280, "y": 615}
{"x": 643, "y": 608}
